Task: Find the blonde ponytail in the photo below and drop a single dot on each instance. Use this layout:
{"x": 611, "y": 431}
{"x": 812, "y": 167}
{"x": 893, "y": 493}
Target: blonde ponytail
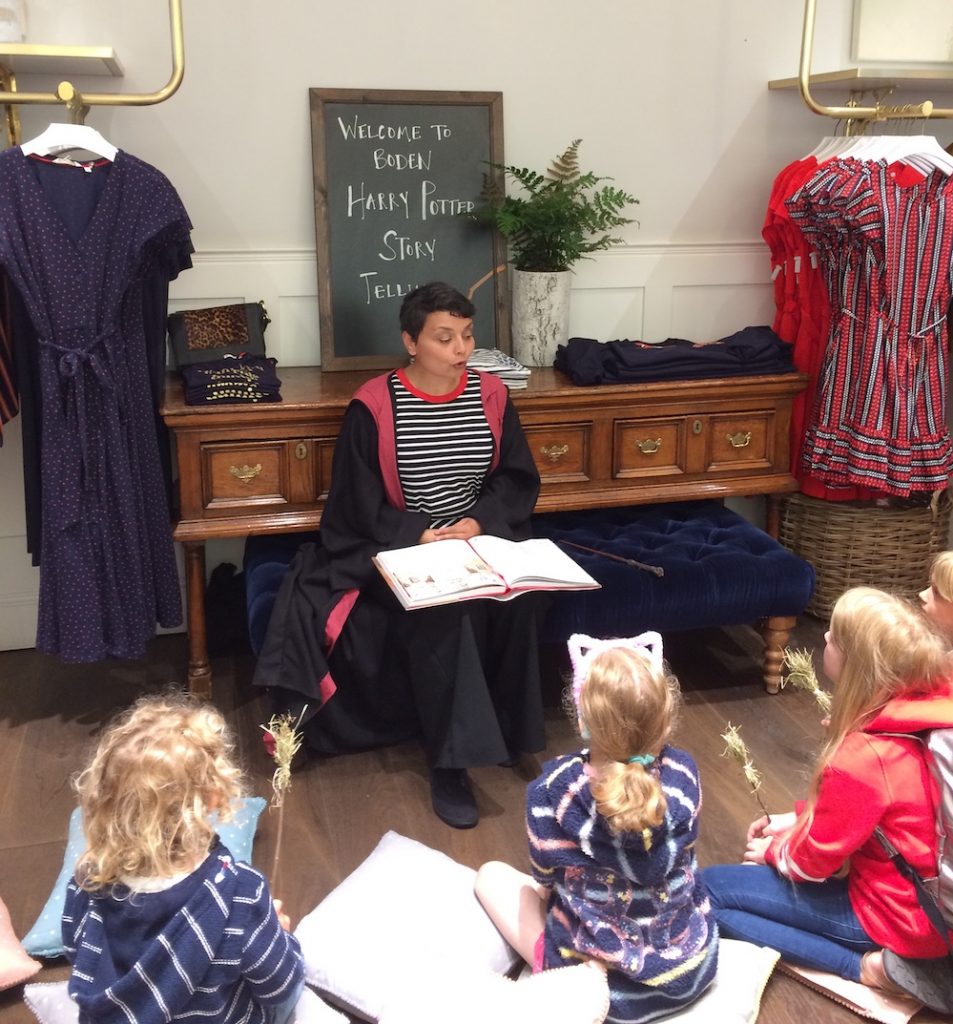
{"x": 628, "y": 704}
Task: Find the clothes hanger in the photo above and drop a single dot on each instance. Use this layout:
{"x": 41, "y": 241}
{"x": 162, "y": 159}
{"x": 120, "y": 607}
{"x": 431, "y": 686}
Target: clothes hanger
{"x": 927, "y": 154}
{"x": 826, "y": 143}
{"x": 59, "y": 138}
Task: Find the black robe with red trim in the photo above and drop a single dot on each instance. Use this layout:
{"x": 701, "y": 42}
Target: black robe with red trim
{"x": 464, "y": 677}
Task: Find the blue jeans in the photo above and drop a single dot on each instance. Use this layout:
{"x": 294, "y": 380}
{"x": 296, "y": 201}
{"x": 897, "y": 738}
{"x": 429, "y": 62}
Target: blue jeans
{"x": 811, "y": 924}
{"x": 285, "y": 1012}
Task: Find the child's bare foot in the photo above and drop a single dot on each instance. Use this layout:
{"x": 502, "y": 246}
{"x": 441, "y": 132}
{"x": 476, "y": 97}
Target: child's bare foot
{"x": 873, "y": 975}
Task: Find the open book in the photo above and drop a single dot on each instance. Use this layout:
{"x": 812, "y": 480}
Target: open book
{"x": 484, "y": 566}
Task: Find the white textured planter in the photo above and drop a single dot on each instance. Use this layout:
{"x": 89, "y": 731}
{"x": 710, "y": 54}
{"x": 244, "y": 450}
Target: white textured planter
{"x": 540, "y": 320}
{"x": 12, "y": 21}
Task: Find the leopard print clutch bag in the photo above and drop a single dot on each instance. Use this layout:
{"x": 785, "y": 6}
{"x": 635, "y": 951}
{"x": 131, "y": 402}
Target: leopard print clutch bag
{"x": 201, "y": 335}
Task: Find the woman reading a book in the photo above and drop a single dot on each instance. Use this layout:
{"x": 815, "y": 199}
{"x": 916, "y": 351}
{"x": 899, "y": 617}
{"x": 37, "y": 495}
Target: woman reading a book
{"x": 428, "y": 452}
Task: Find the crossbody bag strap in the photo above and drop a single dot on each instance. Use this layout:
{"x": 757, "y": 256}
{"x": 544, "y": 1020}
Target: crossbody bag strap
{"x": 926, "y": 898}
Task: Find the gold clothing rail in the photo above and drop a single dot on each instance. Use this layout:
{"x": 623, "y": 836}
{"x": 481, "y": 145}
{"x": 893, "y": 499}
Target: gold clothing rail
{"x": 78, "y": 103}
{"x": 880, "y": 112}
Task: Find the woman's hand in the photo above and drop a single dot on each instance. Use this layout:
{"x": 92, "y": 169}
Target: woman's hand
{"x": 464, "y": 529}
{"x": 283, "y": 919}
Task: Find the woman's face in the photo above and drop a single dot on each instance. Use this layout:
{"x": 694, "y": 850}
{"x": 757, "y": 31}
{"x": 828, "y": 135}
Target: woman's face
{"x": 938, "y": 610}
{"x": 833, "y": 659}
{"x": 440, "y": 351}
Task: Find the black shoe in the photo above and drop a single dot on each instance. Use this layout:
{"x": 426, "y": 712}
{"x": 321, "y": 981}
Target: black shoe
{"x": 930, "y": 981}
{"x": 511, "y": 760}
{"x": 452, "y": 797}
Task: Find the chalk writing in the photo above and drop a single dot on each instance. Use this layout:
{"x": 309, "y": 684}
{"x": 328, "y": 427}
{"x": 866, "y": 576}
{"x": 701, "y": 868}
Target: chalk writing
{"x": 401, "y": 180}
{"x": 400, "y": 247}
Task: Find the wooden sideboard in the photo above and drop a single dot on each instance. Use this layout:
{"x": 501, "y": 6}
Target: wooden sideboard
{"x": 258, "y": 469}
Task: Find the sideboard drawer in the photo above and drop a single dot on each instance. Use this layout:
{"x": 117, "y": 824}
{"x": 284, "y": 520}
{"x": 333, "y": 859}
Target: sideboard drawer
{"x": 250, "y": 475}
{"x": 649, "y": 447}
{"x": 561, "y": 451}
{"x": 740, "y": 441}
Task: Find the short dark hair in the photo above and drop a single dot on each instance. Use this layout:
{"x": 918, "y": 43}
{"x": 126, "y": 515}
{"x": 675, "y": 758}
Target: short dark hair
{"x": 436, "y": 297}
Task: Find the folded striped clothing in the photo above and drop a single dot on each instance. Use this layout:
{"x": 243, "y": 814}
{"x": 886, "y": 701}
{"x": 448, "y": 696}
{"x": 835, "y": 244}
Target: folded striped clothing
{"x": 491, "y": 360}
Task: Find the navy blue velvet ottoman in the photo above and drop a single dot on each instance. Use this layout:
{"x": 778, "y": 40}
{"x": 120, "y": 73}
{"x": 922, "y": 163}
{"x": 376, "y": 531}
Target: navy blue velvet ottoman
{"x": 265, "y": 563}
{"x": 717, "y": 569}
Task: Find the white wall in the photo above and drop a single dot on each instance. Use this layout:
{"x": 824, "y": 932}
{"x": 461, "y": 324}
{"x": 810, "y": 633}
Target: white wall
{"x": 670, "y": 98}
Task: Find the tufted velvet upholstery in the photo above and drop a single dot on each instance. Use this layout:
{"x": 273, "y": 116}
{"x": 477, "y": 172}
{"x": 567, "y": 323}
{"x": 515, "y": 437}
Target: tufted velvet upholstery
{"x": 719, "y": 571}
{"x": 266, "y": 561}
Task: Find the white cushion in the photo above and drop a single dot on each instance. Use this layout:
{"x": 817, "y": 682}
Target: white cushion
{"x": 734, "y": 997}
{"x": 873, "y": 1003}
{"x": 400, "y": 910}
{"x": 312, "y": 1009}
{"x": 51, "y": 1004}
{"x": 574, "y": 995}
{"x": 465, "y": 994}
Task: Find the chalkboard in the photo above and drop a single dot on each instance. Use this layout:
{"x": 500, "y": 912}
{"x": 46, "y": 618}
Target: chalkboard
{"x": 396, "y": 175}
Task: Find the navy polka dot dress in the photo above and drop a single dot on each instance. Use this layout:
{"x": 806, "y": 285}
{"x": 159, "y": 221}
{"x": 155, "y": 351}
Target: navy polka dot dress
{"x": 79, "y": 244}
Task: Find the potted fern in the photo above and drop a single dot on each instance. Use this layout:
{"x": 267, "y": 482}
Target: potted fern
{"x": 561, "y": 217}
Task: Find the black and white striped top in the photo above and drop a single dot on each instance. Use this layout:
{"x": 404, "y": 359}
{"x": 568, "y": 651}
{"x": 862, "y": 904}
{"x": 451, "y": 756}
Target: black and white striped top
{"x": 444, "y": 449}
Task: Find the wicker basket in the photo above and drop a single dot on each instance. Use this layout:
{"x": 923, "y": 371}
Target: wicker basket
{"x": 854, "y": 544}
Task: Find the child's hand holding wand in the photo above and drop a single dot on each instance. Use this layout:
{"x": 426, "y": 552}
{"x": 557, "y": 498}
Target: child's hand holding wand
{"x": 763, "y": 832}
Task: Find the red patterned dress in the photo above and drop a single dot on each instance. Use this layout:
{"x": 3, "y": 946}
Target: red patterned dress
{"x": 885, "y": 235}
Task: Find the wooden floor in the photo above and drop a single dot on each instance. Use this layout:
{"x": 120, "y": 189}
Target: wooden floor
{"x": 338, "y": 808}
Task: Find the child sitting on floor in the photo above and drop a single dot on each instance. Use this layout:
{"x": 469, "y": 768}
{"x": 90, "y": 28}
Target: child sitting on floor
{"x": 817, "y": 884}
{"x": 161, "y": 923}
{"x": 612, "y": 833}
{"x": 937, "y": 599}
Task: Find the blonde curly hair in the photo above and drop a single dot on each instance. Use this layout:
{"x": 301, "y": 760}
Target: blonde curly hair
{"x": 629, "y": 706}
{"x": 158, "y": 771}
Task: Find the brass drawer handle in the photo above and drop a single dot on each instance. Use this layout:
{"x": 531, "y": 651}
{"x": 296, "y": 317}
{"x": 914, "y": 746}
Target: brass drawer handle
{"x": 301, "y": 450}
{"x": 740, "y": 440}
{"x": 554, "y": 452}
{"x": 246, "y": 472}
{"x": 648, "y": 446}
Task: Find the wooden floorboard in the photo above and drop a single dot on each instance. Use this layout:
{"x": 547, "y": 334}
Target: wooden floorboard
{"x": 338, "y": 808}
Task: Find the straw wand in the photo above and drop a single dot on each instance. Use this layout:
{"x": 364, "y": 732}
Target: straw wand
{"x": 283, "y": 741}
{"x": 801, "y": 675}
{"x": 736, "y": 747}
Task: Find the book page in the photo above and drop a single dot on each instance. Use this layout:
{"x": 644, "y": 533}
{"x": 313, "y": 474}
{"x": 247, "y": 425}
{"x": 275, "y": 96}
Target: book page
{"x": 429, "y": 571}
{"x": 531, "y": 561}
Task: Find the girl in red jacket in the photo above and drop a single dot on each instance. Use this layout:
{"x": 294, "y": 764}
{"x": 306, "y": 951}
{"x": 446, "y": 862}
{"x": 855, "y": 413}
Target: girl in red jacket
{"x": 937, "y": 599}
{"x": 816, "y": 884}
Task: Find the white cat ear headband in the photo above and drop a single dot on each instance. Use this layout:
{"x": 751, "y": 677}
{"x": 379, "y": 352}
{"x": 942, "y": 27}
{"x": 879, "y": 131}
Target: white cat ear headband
{"x": 582, "y": 649}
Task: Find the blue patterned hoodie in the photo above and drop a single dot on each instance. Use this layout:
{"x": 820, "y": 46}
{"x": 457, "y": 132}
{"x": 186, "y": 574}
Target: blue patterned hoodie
{"x": 632, "y": 901}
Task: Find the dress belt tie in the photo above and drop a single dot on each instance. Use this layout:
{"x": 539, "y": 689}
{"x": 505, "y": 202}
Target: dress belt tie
{"x": 70, "y": 368}
{"x": 72, "y": 358}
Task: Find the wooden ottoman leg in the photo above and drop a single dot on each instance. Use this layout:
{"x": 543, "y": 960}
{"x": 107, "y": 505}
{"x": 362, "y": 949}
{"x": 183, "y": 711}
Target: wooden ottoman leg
{"x": 776, "y": 631}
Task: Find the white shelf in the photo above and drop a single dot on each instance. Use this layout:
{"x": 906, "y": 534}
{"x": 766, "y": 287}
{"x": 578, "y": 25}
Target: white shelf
{"x": 60, "y": 61}
{"x": 921, "y": 80}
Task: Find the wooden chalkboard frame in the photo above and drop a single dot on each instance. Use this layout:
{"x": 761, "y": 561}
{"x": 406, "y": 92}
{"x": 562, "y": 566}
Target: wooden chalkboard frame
{"x": 331, "y": 357}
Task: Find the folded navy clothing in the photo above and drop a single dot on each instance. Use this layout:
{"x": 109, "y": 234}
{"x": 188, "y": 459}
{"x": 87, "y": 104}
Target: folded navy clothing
{"x": 232, "y": 379}
{"x": 754, "y": 350}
